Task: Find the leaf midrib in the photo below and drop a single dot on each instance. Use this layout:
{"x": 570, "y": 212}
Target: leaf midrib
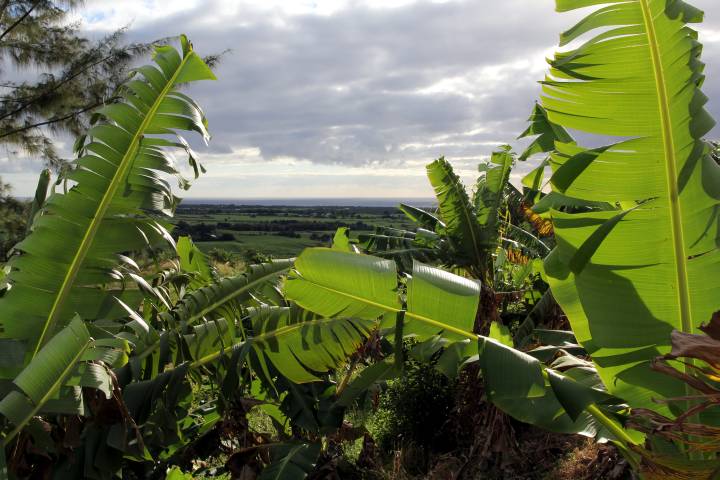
{"x": 670, "y": 171}
{"x": 389, "y": 308}
{"x": 59, "y": 381}
{"x": 234, "y": 294}
{"x": 277, "y": 333}
{"x": 287, "y": 460}
{"x": 88, "y": 238}
{"x": 469, "y": 219}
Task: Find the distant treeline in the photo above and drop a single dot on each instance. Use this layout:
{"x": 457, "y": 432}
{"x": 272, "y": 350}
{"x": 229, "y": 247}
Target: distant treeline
{"x": 274, "y": 211}
{"x": 200, "y": 232}
{"x": 288, "y": 228}
{"x": 291, "y": 225}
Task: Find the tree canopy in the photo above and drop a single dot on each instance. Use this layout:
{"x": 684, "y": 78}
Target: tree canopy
{"x": 78, "y": 74}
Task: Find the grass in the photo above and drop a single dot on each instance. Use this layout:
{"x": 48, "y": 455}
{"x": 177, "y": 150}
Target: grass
{"x": 273, "y": 245}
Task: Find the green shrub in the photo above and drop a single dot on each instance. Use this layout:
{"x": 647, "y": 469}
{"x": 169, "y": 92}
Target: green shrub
{"x": 220, "y": 255}
{"x": 413, "y": 410}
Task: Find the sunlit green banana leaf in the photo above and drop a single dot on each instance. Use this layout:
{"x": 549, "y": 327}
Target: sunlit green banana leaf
{"x": 194, "y": 262}
{"x": 627, "y": 278}
{"x": 342, "y": 284}
{"x": 341, "y": 240}
{"x": 72, "y": 250}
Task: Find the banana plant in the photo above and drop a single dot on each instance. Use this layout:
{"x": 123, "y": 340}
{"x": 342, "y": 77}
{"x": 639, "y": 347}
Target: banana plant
{"x": 629, "y": 275}
{"x": 216, "y": 334}
{"x": 479, "y": 234}
{"x": 466, "y": 231}
{"x": 76, "y": 237}
{"x": 565, "y": 396}
{"x": 70, "y": 266}
{"x": 52, "y": 382}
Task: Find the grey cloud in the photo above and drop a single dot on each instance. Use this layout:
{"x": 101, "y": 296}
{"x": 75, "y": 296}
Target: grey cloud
{"x": 344, "y": 88}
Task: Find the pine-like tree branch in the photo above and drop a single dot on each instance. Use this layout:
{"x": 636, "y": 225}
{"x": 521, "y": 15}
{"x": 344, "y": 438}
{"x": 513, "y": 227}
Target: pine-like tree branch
{"x": 19, "y": 20}
{"x": 51, "y": 121}
{"x": 31, "y": 99}
{"x": 3, "y": 8}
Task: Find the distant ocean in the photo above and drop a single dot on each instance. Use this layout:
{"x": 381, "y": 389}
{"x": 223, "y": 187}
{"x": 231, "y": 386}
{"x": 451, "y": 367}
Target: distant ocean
{"x": 313, "y": 202}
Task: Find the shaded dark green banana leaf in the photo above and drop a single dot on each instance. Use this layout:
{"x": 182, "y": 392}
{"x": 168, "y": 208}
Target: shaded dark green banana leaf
{"x": 300, "y": 344}
{"x": 52, "y": 381}
{"x": 291, "y": 461}
{"x": 458, "y": 214}
{"x": 422, "y": 218}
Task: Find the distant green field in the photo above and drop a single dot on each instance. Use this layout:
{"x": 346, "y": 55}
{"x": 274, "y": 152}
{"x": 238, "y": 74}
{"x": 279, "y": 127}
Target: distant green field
{"x": 273, "y": 245}
{"x": 275, "y": 230}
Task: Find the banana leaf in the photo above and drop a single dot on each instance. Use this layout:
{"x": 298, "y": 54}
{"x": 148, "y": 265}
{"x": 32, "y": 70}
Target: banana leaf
{"x": 115, "y": 205}
{"x": 627, "y": 277}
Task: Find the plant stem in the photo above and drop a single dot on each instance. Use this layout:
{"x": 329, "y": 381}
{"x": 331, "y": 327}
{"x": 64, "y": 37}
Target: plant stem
{"x": 346, "y": 378}
{"x": 611, "y": 425}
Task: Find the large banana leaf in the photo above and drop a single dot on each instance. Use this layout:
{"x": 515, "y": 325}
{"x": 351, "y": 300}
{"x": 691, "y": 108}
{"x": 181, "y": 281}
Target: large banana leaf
{"x": 298, "y": 344}
{"x": 334, "y": 283}
{"x": 225, "y": 297}
{"x": 520, "y": 385}
{"x": 212, "y": 322}
{"x": 440, "y": 302}
{"x": 627, "y": 278}
{"x": 343, "y": 284}
{"x": 205, "y": 321}
{"x": 72, "y": 250}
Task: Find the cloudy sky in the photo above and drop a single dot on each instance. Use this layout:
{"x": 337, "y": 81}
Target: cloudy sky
{"x": 351, "y": 98}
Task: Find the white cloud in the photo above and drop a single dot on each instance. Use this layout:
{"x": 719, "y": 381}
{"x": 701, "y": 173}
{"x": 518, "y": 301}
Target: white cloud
{"x": 103, "y": 15}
